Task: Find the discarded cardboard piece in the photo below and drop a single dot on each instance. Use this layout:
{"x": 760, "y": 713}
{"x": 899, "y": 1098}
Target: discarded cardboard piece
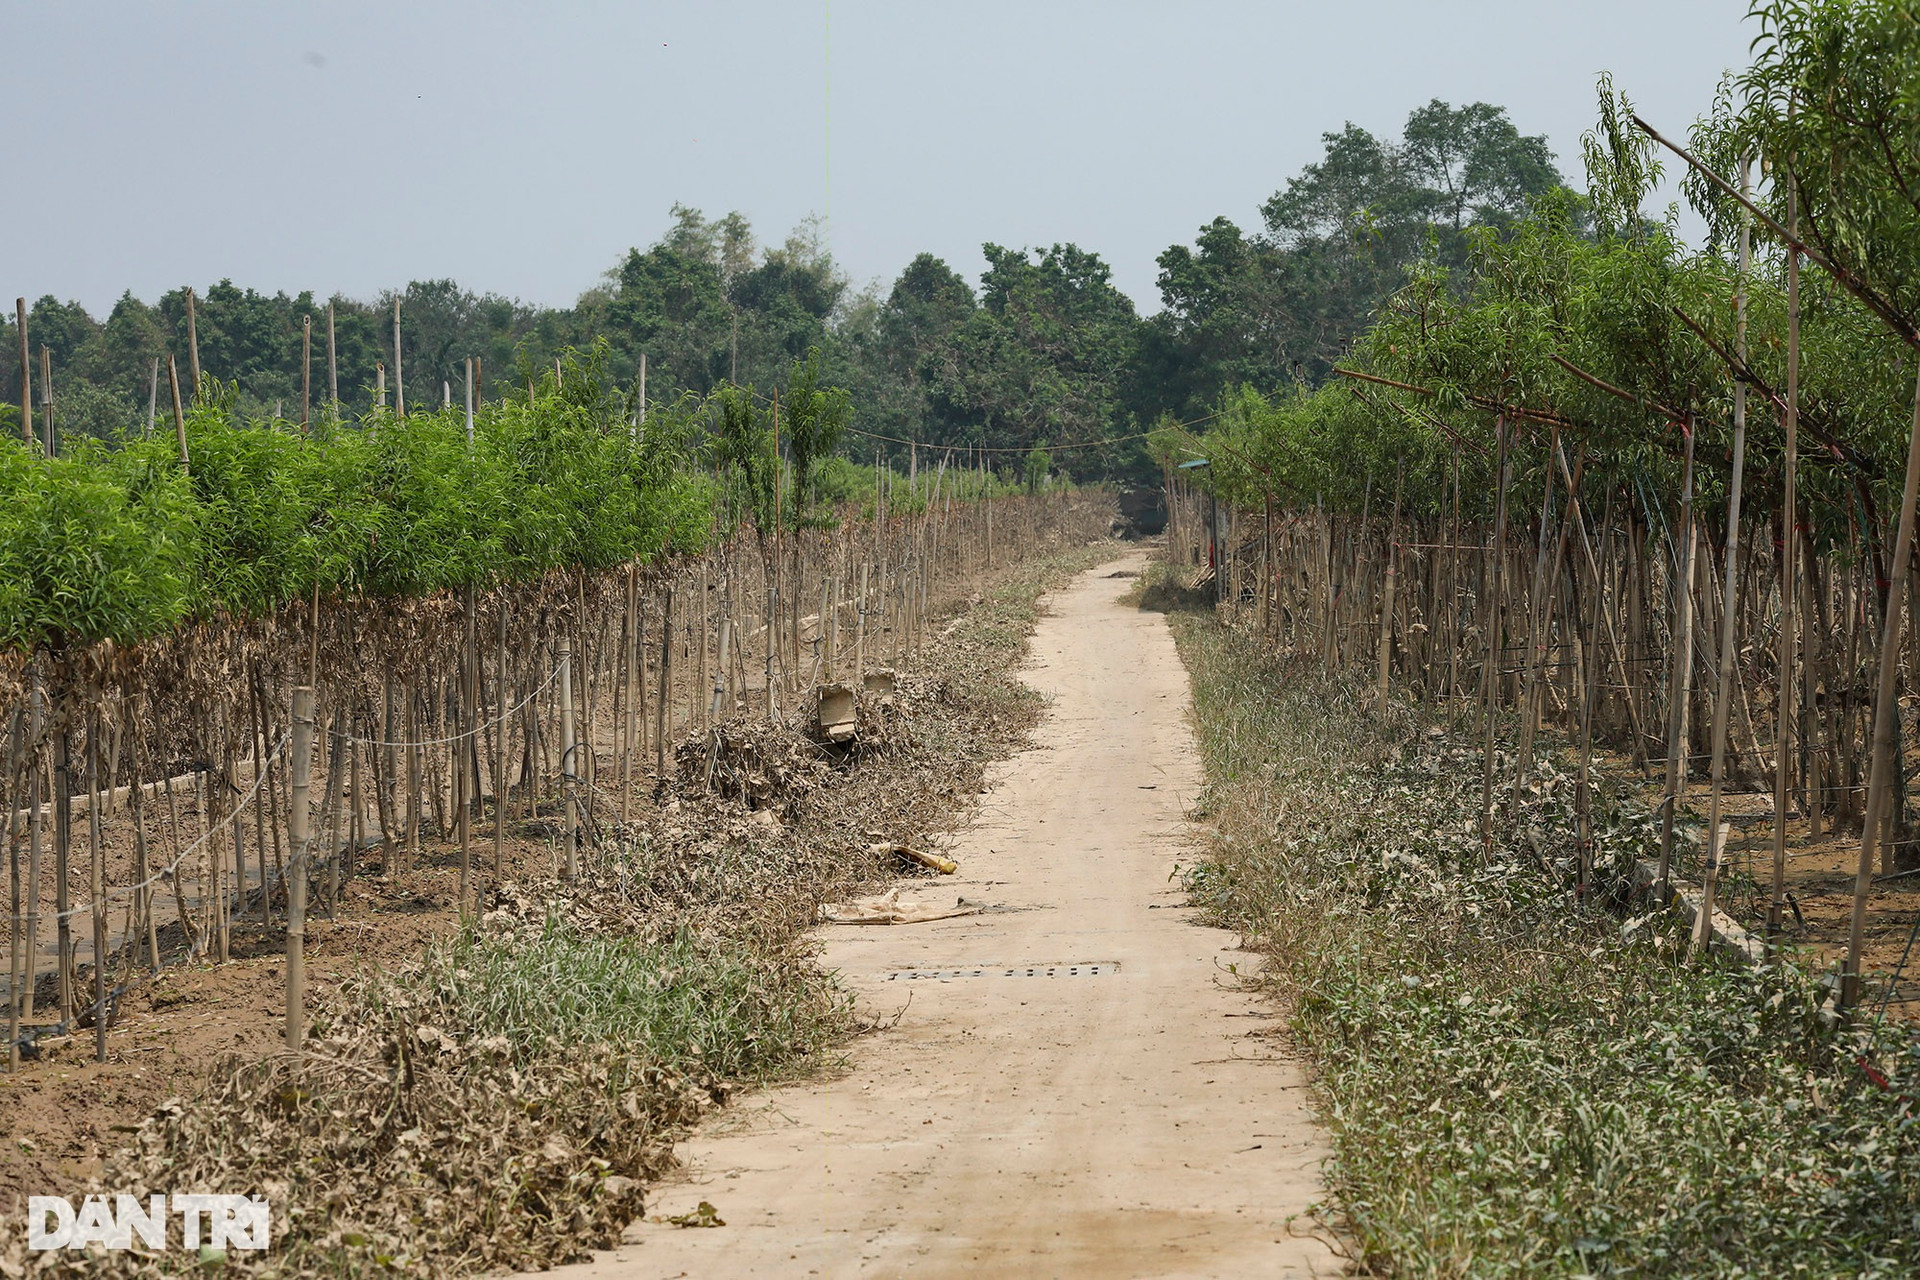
{"x": 836, "y": 713}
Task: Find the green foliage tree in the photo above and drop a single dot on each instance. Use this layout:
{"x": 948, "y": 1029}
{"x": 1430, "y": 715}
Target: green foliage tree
{"x": 1039, "y": 466}
{"x": 1338, "y": 240}
{"x": 745, "y": 457}
{"x": 815, "y": 416}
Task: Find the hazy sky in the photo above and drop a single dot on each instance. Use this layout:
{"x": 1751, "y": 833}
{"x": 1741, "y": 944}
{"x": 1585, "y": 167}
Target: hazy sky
{"x": 521, "y": 149}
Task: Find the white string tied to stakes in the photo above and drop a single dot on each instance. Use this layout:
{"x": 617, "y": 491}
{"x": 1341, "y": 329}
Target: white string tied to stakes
{"x": 115, "y": 893}
{"x": 260, "y": 777}
{"x": 500, "y": 719}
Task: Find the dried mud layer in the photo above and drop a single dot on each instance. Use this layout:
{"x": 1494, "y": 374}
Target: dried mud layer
{"x": 414, "y": 1134}
{"x": 1819, "y": 883}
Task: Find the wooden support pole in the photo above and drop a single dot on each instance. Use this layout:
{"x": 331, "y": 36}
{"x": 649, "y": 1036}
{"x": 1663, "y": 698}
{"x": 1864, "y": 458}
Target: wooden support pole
{"x": 18, "y": 948}
{"x": 62, "y": 878}
{"x": 1789, "y": 586}
{"x": 468, "y": 786}
{"x": 299, "y": 845}
{"x": 1490, "y": 675}
{"x": 860, "y": 629}
{"x": 567, "y": 746}
{"x": 719, "y": 702}
{"x": 661, "y": 709}
{"x": 699, "y": 709}
{"x": 47, "y": 432}
{"x": 333, "y": 364}
{"x": 399, "y": 379}
{"x": 1679, "y": 687}
{"x": 1729, "y": 616}
{"x": 1387, "y": 593}
{"x": 1886, "y": 709}
{"x": 500, "y": 788}
{"x": 26, "y": 372}
{"x": 97, "y": 890}
{"x": 1590, "y": 690}
{"x": 193, "y": 345}
{"x": 1539, "y": 620}
{"x": 36, "y": 722}
{"x": 630, "y": 717}
{"x": 179, "y": 415}
{"x": 306, "y": 373}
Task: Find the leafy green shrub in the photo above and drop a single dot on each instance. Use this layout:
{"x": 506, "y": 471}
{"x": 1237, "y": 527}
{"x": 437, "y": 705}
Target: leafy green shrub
{"x": 122, "y": 543}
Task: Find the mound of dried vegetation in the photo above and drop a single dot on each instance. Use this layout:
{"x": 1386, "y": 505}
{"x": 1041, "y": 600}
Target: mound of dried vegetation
{"x": 1521, "y": 1081}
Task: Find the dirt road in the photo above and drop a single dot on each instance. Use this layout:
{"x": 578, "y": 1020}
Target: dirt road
{"x": 1081, "y": 1090}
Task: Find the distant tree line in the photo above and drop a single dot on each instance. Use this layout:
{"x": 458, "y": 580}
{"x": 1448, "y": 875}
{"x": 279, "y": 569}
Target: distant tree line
{"x": 1044, "y": 352}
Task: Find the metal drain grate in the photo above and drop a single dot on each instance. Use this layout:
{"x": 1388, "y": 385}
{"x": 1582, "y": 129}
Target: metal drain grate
{"x": 1090, "y": 970}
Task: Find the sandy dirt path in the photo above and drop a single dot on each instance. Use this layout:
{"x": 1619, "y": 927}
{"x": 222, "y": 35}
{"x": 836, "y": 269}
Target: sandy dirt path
{"x": 1124, "y": 1111}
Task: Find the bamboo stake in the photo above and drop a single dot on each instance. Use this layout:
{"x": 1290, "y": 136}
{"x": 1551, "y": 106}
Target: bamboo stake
{"x": 1885, "y": 711}
{"x": 1789, "y": 595}
{"x": 1538, "y": 618}
{"x": 1266, "y": 566}
{"x": 49, "y": 435}
{"x": 299, "y": 844}
{"x": 720, "y": 676}
{"x": 1490, "y": 676}
{"x": 1451, "y": 596}
{"x": 640, "y": 682}
{"x": 18, "y": 957}
{"x": 137, "y": 798}
{"x": 152, "y": 398}
{"x": 97, "y": 889}
{"x": 306, "y": 374}
{"x": 860, "y": 629}
{"x": 336, "y": 748}
{"x": 193, "y": 344}
{"x": 179, "y": 415}
{"x": 823, "y": 640}
{"x": 629, "y": 717}
{"x": 26, "y": 372}
{"x": 62, "y": 835}
{"x": 700, "y": 709}
{"x": 468, "y": 777}
{"x": 771, "y": 595}
{"x": 266, "y": 811}
{"x": 229, "y": 788}
{"x": 1583, "y": 794}
{"x": 1387, "y": 592}
{"x": 1729, "y": 613}
{"x": 500, "y": 741}
{"x": 333, "y": 364}
{"x": 399, "y": 379}
{"x": 660, "y": 727}
{"x": 1681, "y": 683}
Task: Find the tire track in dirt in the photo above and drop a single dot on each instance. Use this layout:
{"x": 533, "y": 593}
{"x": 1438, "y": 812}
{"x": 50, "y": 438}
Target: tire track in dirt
{"x": 1138, "y": 1122}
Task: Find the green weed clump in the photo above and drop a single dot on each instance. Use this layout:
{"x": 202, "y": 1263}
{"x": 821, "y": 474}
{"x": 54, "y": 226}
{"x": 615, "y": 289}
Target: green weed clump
{"x": 736, "y": 1012}
{"x": 1520, "y": 1080}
